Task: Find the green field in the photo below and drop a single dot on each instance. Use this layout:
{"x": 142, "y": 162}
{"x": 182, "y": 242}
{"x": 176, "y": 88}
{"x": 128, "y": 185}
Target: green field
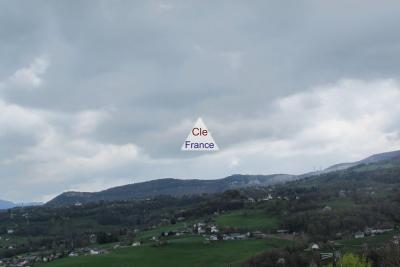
{"x": 183, "y": 252}
{"x": 248, "y": 219}
{"x": 7, "y": 240}
{"x": 370, "y": 240}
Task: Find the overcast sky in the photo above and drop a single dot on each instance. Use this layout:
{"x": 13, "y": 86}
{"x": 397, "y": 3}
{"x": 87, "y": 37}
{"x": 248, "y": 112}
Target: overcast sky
{"x": 95, "y": 94}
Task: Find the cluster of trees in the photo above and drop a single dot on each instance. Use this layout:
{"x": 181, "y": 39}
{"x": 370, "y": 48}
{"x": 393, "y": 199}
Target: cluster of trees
{"x": 296, "y": 258}
{"x": 229, "y": 200}
{"x": 386, "y": 256}
{"x": 280, "y": 258}
{"x": 351, "y": 260}
{"x": 364, "y": 199}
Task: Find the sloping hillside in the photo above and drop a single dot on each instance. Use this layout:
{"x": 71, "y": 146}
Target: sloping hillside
{"x": 171, "y": 187}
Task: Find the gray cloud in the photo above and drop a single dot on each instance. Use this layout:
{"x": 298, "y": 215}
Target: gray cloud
{"x": 96, "y": 94}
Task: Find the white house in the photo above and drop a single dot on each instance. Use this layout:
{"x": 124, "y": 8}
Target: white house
{"x": 214, "y": 229}
{"x": 94, "y": 252}
{"x": 359, "y": 235}
{"x": 315, "y": 246}
{"x": 269, "y": 197}
{"x": 136, "y": 244}
{"x": 213, "y": 238}
{"x": 201, "y": 230}
{"x": 251, "y": 200}
{"x": 326, "y": 209}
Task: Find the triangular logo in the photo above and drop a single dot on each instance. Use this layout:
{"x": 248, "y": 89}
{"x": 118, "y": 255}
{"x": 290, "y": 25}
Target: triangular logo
{"x": 199, "y": 139}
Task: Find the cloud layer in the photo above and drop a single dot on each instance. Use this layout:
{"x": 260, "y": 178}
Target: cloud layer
{"x": 108, "y": 97}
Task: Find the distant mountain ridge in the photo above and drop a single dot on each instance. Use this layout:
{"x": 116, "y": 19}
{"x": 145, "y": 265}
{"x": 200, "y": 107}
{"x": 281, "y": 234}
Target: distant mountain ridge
{"x": 171, "y": 187}
{"x": 4, "y": 204}
{"x": 178, "y": 187}
{"x": 371, "y": 159}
